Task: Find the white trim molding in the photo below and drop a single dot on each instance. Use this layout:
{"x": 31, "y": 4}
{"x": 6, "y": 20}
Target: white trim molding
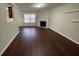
{"x": 9, "y": 43}
{"x": 65, "y": 36}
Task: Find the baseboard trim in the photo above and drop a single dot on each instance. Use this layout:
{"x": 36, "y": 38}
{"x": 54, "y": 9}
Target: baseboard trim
{"x": 65, "y": 36}
{"x": 27, "y": 25}
{"x": 9, "y": 43}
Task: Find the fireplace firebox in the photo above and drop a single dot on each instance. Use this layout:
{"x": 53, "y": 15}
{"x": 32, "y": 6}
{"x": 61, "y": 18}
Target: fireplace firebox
{"x": 43, "y": 23}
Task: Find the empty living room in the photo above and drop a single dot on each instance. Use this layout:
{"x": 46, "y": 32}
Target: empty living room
{"x": 39, "y": 29}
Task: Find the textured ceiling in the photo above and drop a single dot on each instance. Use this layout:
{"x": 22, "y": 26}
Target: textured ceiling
{"x": 28, "y": 6}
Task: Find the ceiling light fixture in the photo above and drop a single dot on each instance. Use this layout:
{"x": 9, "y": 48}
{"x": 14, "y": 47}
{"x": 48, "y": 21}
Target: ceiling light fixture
{"x": 39, "y": 5}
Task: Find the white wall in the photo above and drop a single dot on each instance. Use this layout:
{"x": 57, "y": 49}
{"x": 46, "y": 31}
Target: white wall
{"x": 7, "y": 30}
{"x": 62, "y": 22}
{"x": 43, "y": 15}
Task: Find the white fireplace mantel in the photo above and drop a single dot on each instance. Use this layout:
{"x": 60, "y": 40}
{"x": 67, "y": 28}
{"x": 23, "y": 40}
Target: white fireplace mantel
{"x": 44, "y": 19}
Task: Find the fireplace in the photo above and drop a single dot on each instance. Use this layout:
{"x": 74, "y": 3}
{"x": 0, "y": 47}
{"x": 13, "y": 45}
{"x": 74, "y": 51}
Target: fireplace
{"x": 43, "y": 23}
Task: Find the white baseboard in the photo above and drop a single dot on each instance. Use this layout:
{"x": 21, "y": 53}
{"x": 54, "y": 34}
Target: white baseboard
{"x": 8, "y": 43}
{"x": 64, "y": 36}
{"x": 27, "y": 25}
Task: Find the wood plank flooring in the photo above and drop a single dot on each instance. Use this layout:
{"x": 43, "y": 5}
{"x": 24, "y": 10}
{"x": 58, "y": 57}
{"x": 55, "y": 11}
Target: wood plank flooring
{"x": 34, "y": 41}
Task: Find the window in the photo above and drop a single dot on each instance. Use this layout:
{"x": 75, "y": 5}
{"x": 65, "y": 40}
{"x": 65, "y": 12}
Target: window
{"x": 29, "y": 18}
{"x": 10, "y": 12}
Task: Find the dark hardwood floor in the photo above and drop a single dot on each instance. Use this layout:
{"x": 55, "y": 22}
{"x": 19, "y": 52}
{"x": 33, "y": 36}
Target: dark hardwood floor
{"x": 34, "y": 41}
